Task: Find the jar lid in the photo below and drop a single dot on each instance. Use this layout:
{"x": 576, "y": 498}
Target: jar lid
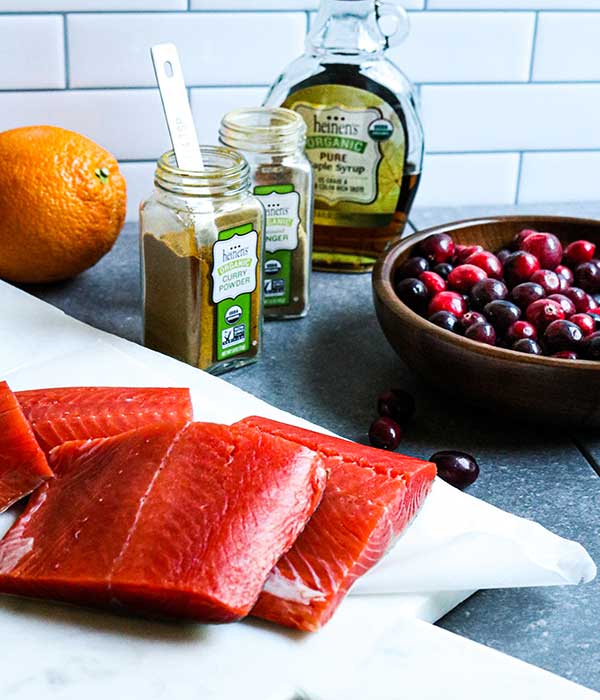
{"x": 273, "y": 130}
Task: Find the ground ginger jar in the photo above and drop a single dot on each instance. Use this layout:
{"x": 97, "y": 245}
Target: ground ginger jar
{"x": 201, "y": 260}
{"x": 273, "y": 140}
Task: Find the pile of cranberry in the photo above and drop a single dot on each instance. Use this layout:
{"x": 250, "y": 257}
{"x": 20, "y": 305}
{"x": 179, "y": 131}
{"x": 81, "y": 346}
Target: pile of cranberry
{"x": 533, "y": 297}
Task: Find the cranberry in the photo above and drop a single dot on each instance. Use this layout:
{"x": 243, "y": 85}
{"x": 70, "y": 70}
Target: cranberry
{"x": 520, "y": 330}
{"x": 413, "y": 293}
{"x": 596, "y": 319}
{"x": 566, "y": 355}
{"x": 526, "y": 293}
{"x": 488, "y": 290}
{"x": 591, "y": 346}
{"x": 580, "y": 299}
{"x": 447, "y": 301}
{"x": 396, "y": 404}
{"x": 502, "y": 314}
{"x": 566, "y": 273}
{"x": 587, "y": 276}
{"x": 586, "y": 322}
{"x": 439, "y": 247}
{"x": 542, "y": 312}
{"x": 564, "y": 284}
{"x": 519, "y": 267}
{"x": 520, "y": 237}
{"x": 579, "y": 252}
{"x": 434, "y": 283}
{"x": 562, "y": 335}
{"x": 465, "y": 251}
{"x": 469, "y": 319}
{"x": 384, "y": 433}
{"x": 546, "y": 247}
{"x": 443, "y": 270}
{"x": 567, "y": 305}
{"x": 502, "y": 255}
{"x": 464, "y": 277}
{"x": 444, "y": 319}
{"x": 411, "y": 267}
{"x": 459, "y": 469}
{"x": 482, "y": 332}
{"x": 527, "y": 345}
{"x": 547, "y": 279}
{"x": 487, "y": 261}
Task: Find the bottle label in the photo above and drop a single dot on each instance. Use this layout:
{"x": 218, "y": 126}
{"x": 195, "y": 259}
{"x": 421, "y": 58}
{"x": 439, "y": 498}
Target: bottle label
{"x": 234, "y": 275}
{"x": 356, "y": 145}
{"x": 282, "y": 209}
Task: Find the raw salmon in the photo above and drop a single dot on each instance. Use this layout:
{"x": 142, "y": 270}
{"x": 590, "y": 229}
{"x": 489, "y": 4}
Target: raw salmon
{"x": 79, "y": 413}
{"x": 164, "y": 521}
{"x": 23, "y": 465}
{"x": 371, "y": 496}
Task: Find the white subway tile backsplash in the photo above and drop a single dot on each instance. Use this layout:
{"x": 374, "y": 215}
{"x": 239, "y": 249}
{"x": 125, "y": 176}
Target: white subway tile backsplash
{"x": 32, "y": 52}
{"x": 567, "y": 46}
{"x": 475, "y": 178}
{"x": 511, "y": 117}
{"x": 88, "y": 5}
{"x": 514, "y": 4}
{"x": 129, "y": 123}
{"x": 560, "y": 177}
{"x": 210, "y": 104}
{"x": 243, "y": 5}
{"x": 215, "y": 48}
{"x": 467, "y": 47}
{"x": 140, "y": 182}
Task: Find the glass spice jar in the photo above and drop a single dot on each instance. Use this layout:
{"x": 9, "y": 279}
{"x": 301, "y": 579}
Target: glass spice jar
{"x": 273, "y": 140}
{"x": 201, "y": 250}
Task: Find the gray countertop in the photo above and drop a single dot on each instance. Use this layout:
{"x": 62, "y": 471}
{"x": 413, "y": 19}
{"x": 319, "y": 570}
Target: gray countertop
{"x": 330, "y": 367}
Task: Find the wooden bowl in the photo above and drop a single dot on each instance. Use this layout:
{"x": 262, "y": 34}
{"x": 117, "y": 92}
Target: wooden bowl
{"x": 565, "y": 392}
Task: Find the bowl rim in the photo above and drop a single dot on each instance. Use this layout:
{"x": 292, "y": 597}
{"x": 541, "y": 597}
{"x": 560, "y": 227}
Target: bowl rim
{"x": 383, "y": 288}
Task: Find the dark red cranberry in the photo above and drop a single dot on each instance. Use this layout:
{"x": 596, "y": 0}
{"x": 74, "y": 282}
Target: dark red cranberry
{"x": 411, "y": 267}
{"x": 396, "y": 404}
{"x": 562, "y": 335}
{"x": 434, "y": 283}
{"x": 526, "y": 293}
{"x": 547, "y": 279}
{"x": 586, "y": 322}
{"x": 447, "y": 301}
{"x": 565, "y": 272}
{"x": 567, "y": 305}
{"x": 444, "y": 319}
{"x": 464, "y": 277}
{"x": 385, "y": 433}
{"x": 519, "y": 267}
{"x": 481, "y": 332}
{"x": 465, "y": 251}
{"x": 587, "y": 276}
{"x": 566, "y": 355}
{"x": 413, "y": 293}
{"x": 458, "y": 469}
{"x": 487, "y": 261}
{"x": 487, "y": 290}
{"x": 591, "y": 347}
{"x": 502, "y": 314}
{"x": 438, "y": 248}
{"x": 580, "y": 299}
{"x": 443, "y": 270}
{"x": 579, "y": 252}
{"x": 596, "y": 318}
{"x": 594, "y": 301}
{"x": 545, "y": 247}
{"x": 527, "y": 345}
{"x": 502, "y": 255}
{"x": 564, "y": 284}
{"x": 520, "y": 237}
{"x": 469, "y": 319}
{"x": 542, "y": 312}
{"x": 520, "y": 330}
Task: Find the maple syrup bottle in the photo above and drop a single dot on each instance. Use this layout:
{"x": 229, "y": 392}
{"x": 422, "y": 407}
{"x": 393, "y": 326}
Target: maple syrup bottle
{"x": 364, "y": 135}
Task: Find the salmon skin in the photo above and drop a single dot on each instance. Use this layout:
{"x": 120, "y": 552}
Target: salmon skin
{"x": 23, "y": 465}
{"x": 79, "y": 413}
{"x": 163, "y": 521}
{"x": 371, "y": 497}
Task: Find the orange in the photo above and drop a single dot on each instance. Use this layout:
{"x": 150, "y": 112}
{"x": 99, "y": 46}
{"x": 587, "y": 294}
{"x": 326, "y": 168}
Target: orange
{"x": 62, "y": 203}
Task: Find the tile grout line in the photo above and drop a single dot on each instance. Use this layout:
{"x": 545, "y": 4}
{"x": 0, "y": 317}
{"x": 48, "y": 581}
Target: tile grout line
{"x": 587, "y": 455}
{"x": 519, "y": 173}
{"x": 533, "y": 46}
{"x": 66, "y": 51}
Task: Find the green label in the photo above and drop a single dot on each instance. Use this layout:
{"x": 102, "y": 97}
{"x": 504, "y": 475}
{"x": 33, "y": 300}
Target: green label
{"x": 234, "y": 274}
{"x": 343, "y": 144}
{"x": 282, "y": 209}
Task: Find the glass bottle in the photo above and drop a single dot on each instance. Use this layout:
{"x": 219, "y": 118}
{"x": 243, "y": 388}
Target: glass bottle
{"x": 364, "y": 135}
{"x": 201, "y": 251}
{"x": 272, "y": 141}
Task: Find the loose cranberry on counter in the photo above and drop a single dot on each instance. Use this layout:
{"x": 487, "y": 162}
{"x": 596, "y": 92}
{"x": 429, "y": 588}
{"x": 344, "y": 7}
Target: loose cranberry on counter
{"x": 526, "y": 293}
{"x": 579, "y": 252}
{"x": 545, "y": 247}
{"x": 487, "y": 261}
{"x": 385, "y": 433}
{"x": 547, "y": 279}
{"x": 542, "y": 312}
{"x": 411, "y": 267}
{"x": 562, "y": 335}
{"x": 444, "y": 319}
{"x": 469, "y": 319}
{"x": 567, "y": 305}
{"x": 434, "y": 283}
{"x": 465, "y": 251}
{"x": 566, "y": 273}
{"x": 519, "y": 267}
{"x": 413, "y": 293}
{"x": 487, "y": 290}
{"x": 586, "y": 322}
{"x": 591, "y": 347}
{"x": 438, "y": 248}
{"x": 502, "y": 255}
{"x": 520, "y": 237}
{"x": 464, "y": 277}
{"x": 502, "y": 314}
{"x": 396, "y": 404}
{"x": 587, "y": 276}
{"x": 566, "y": 355}
{"x": 580, "y": 299}
{"x": 456, "y": 468}
{"x": 443, "y": 270}
{"x": 482, "y": 332}
{"x": 527, "y": 345}
{"x": 447, "y": 301}
{"x": 520, "y": 330}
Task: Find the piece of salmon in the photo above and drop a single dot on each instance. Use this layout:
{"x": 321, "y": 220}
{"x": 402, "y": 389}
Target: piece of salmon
{"x": 78, "y": 413}
{"x": 371, "y": 497}
{"x": 23, "y": 465}
{"x": 163, "y": 521}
